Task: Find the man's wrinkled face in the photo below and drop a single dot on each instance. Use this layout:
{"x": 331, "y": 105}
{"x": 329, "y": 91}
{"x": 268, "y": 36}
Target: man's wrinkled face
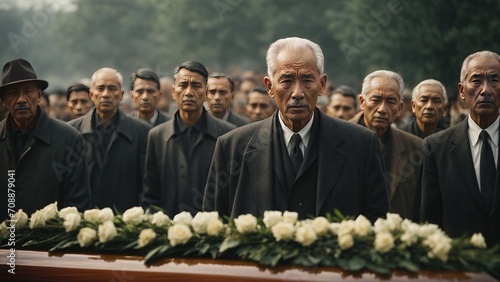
{"x": 21, "y": 100}
{"x": 189, "y": 90}
{"x": 219, "y": 95}
{"x": 429, "y": 106}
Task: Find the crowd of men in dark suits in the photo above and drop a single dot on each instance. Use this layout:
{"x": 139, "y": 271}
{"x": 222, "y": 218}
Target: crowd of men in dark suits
{"x": 296, "y": 158}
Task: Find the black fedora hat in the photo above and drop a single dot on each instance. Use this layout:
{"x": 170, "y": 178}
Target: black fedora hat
{"x": 18, "y": 71}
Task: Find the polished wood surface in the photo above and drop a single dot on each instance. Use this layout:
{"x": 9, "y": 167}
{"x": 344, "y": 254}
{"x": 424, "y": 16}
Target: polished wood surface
{"x": 42, "y": 266}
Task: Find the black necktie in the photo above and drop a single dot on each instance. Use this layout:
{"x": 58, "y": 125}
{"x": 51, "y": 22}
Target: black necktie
{"x": 296, "y": 154}
{"x": 488, "y": 171}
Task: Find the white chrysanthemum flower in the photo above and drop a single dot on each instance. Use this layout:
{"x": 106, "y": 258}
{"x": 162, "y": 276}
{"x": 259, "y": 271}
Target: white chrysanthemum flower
{"x": 283, "y": 231}
{"x": 428, "y": 229}
{"x": 347, "y": 227}
{"x": 106, "y": 231}
{"x": 37, "y": 219}
{"x": 381, "y": 226}
{"x": 320, "y": 225}
{"x": 477, "y": 240}
{"x": 362, "y": 226}
{"x": 160, "y": 219}
{"x": 72, "y": 221}
{"x": 184, "y": 218}
{"x": 146, "y": 236}
{"x": 411, "y": 232}
{"x": 384, "y": 242}
{"x": 86, "y": 236}
{"x": 334, "y": 228}
{"x": 271, "y": 218}
{"x": 393, "y": 221}
{"x": 246, "y": 223}
{"x": 305, "y": 235}
{"x": 4, "y": 232}
{"x": 179, "y": 234}
{"x": 134, "y": 215}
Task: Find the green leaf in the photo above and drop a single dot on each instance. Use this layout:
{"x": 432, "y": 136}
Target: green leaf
{"x": 409, "y": 265}
{"x": 228, "y": 243}
{"x": 271, "y": 259}
{"x": 156, "y": 253}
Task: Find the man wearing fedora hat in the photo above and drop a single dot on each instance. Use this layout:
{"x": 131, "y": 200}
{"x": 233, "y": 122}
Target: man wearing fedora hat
{"x": 42, "y": 158}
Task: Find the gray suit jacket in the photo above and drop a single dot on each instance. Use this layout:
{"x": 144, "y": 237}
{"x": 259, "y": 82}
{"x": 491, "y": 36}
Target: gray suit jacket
{"x": 450, "y": 194}
{"x": 350, "y": 173}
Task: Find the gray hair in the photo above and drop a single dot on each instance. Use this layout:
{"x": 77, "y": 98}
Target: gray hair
{"x": 465, "y": 65}
{"x": 94, "y": 76}
{"x": 293, "y": 43}
{"x": 385, "y": 74}
{"x": 416, "y": 90}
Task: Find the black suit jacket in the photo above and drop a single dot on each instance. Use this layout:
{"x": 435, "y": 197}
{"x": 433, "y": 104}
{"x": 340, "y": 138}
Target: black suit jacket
{"x": 450, "y": 193}
{"x": 237, "y": 119}
{"x": 350, "y": 172}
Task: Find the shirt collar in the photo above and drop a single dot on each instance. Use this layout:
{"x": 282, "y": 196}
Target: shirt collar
{"x": 305, "y": 132}
{"x": 475, "y": 130}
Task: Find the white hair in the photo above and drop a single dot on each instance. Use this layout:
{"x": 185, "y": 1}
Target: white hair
{"x": 94, "y": 76}
{"x": 385, "y": 74}
{"x": 293, "y": 43}
{"x": 465, "y": 64}
{"x": 416, "y": 90}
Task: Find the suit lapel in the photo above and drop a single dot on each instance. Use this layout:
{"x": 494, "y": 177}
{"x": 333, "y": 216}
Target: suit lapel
{"x": 329, "y": 152}
{"x": 496, "y": 191}
{"x": 397, "y": 150}
{"x": 258, "y": 159}
{"x": 462, "y": 159}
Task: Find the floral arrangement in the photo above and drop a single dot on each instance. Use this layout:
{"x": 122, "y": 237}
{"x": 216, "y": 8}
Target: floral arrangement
{"x": 279, "y": 237}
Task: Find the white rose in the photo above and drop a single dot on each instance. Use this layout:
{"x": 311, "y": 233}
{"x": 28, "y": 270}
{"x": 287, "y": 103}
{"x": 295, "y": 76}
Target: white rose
{"x": 86, "y": 236}
{"x": 179, "y": 234}
{"x": 477, "y": 240}
{"x": 305, "y": 235}
{"x": 427, "y": 229}
{"x": 345, "y": 241}
{"x": 71, "y": 221}
{"x": 134, "y": 215}
{"x": 62, "y": 213}
{"x": 394, "y": 221}
{"x": 146, "y": 236}
{"x": 92, "y": 215}
{"x": 439, "y": 245}
{"x": 4, "y": 232}
{"x": 362, "y": 226}
{"x": 50, "y": 211}
{"x": 384, "y": 242}
{"x": 283, "y": 231}
{"x": 201, "y": 220}
{"x": 106, "y": 214}
{"x": 346, "y": 227}
{"x": 214, "y": 227}
{"x": 381, "y": 226}
{"x": 160, "y": 219}
{"x": 334, "y": 228}
{"x": 320, "y": 225}
{"x": 411, "y": 232}
{"x": 106, "y": 231}
{"x": 290, "y": 217}
{"x": 271, "y": 218}
{"x": 246, "y": 223}
{"x": 37, "y": 219}
{"x": 184, "y": 218}
{"x": 20, "y": 219}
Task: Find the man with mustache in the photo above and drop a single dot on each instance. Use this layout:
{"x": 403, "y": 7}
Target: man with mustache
{"x": 220, "y": 95}
{"x": 145, "y": 92}
{"x": 428, "y": 103}
{"x": 299, "y": 159}
{"x": 381, "y": 102}
{"x": 115, "y": 144}
{"x": 460, "y": 180}
{"x": 179, "y": 151}
{"x": 41, "y": 158}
